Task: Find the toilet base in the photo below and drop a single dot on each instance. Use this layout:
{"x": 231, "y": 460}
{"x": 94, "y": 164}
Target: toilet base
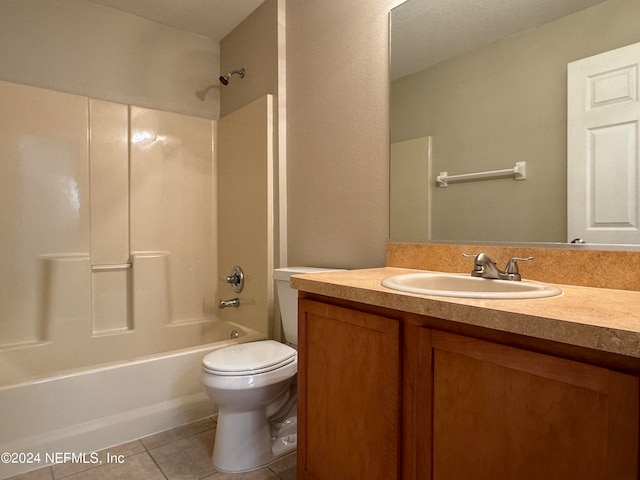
{"x": 248, "y": 440}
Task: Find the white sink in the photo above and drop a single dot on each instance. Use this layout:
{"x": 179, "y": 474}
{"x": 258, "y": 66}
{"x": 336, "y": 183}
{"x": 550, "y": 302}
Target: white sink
{"x": 465, "y": 286}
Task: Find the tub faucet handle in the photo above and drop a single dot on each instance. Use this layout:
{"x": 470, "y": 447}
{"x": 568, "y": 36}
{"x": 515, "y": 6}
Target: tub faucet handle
{"x": 236, "y": 279}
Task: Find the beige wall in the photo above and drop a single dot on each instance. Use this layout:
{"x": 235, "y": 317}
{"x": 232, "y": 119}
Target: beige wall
{"x": 252, "y": 45}
{"x": 80, "y": 47}
{"x": 337, "y": 132}
{"x": 503, "y": 103}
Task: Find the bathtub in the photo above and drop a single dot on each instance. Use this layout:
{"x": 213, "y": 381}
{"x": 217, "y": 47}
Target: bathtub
{"x": 86, "y": 410}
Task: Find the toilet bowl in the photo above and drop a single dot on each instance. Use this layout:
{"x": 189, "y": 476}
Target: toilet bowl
{"x": 254, "y": 386}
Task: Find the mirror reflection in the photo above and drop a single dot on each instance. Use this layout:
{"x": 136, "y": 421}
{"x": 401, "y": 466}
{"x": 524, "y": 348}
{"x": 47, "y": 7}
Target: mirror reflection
{"x": 485, "y": 90}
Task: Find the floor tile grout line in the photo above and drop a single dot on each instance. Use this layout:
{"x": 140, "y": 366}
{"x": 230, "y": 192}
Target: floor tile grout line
{"x": 175, "y": 440}
{"x": 146, "y": 450}
{"x": 156, "y": 464}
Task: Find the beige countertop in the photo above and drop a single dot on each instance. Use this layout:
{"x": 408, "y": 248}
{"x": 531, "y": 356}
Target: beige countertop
{"x": 596, "y": 318}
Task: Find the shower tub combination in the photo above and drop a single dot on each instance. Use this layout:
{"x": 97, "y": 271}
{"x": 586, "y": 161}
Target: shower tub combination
{"x": 85, "y": 410}
{"x": 109, "y": 274}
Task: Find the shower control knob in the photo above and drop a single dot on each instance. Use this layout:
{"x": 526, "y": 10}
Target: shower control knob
{"x": 236, "y": 279}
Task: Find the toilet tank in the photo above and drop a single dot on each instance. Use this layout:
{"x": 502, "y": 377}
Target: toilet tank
{"x": 288, "y": 298}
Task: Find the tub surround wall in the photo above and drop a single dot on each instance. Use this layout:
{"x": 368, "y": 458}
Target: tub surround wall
{"x": 575, "y": 266}
{"x": 88, "y": 187}
{"x": 44, "y": 201}
{"x": 109, "y": 211}
{"x": 172, "y": 207}
{"x": 245, "y": 224}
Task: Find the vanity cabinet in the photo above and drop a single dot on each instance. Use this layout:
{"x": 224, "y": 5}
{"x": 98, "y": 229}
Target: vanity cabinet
{"x": 387, "y": 395}
{"x": 348, "y": 394}
{"x": 492, "y": 411}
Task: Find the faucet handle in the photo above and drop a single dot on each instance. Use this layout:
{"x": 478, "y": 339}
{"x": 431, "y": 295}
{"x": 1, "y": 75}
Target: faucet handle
{"x": 479, "y": 258}
{"x": 512, "y": 267}
{"x": 477, "y": 267}
{"x": 480, "y": 262}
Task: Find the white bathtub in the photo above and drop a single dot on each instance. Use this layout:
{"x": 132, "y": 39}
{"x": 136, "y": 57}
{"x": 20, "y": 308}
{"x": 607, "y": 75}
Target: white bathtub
{"x": 92, "y": 409}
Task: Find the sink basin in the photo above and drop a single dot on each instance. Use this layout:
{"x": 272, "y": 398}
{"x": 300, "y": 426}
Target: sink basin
{"x": 465, "y": 286}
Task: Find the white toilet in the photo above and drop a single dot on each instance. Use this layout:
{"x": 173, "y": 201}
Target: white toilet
{"x": 254, "y": 386}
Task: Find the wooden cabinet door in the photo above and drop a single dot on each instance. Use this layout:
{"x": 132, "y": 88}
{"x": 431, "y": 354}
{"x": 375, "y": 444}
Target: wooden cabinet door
{"x": 497, "y": 412}
{"x": 348, "y": 394}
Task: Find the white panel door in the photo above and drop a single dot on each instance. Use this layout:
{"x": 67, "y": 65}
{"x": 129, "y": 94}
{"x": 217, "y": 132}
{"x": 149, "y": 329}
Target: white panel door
{"x": 603, "y": 179}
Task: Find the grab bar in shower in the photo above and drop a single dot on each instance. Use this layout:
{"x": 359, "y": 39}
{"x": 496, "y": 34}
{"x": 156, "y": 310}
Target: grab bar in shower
{"x": 110, "y": 266}
{"x": 519, "y": 172}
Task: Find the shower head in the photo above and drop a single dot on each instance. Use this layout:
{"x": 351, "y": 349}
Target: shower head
{"x": 224, "y": 79}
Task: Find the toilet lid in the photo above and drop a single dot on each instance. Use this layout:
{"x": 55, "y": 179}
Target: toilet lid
{"x": 249, "y": 358}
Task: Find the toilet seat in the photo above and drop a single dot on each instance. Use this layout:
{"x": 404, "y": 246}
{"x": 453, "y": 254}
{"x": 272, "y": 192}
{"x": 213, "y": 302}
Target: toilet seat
{"x": 248, "y": 358}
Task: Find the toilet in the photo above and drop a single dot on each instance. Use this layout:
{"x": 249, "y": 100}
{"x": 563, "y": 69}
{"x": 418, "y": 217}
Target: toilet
{"x": 254, "y": 386}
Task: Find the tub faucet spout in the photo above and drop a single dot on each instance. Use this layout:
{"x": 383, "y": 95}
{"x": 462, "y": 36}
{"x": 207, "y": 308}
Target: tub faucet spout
{"x": 234, "y": 302}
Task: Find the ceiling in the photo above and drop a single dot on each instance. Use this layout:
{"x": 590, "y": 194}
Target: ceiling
{"x": 426, "y": 32}
{"x": 213, "y": 19}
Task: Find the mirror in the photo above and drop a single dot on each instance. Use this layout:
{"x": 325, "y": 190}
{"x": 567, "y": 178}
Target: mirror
{"x": 479, "y": 86}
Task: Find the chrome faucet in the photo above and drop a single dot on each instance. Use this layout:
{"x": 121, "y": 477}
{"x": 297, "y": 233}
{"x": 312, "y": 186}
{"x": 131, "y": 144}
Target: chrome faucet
{"x": 484, "y": 267}
{"x": 234, "y": 302}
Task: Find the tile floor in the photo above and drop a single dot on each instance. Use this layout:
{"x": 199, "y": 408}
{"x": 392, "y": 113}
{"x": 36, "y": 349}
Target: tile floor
{"x": 183, "y": 453}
